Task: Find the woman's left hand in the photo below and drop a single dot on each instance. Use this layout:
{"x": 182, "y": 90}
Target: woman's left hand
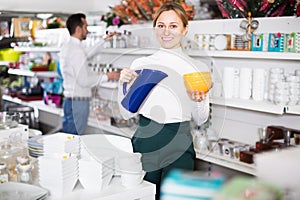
{"x": 197, "y": 96}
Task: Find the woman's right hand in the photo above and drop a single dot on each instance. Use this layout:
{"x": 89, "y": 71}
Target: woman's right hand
{"x": 127, "y": 75}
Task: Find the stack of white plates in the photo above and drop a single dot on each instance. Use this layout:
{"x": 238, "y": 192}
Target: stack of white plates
{"x": 14, "y": 191}
{"x": 36, "y": 146}
{"x": 58, "y": 173}
{"x": 61, "y": 143}
{"x": 96, "y": 174}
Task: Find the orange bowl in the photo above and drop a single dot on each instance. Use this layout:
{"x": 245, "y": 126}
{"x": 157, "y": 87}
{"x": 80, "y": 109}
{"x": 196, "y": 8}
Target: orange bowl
{"x": 200, "y": 81}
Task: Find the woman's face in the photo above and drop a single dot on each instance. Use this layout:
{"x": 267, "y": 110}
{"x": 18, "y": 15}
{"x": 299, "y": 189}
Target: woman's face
{"x": 169, "y": 30}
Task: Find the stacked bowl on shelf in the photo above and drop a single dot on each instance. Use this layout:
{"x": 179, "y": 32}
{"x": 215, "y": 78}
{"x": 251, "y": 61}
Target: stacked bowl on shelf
{"x": 58, "y": 167}
{"x": 284, "y": 87}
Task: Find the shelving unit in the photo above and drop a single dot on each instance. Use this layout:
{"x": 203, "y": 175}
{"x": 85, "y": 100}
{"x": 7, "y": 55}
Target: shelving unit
{"x": 129, "y": 51}
{"x": 260, "y": 106}
{"x": 293, "y": 110}
{"x": 216, "y": 54}
{"x": 21, "y": 72}
{"x": 38, "y": 49}
{"x": 247, "y": 115}
{"x": 227, "y": 162}
{"x": 247, "y": 54}
{"x": 4, "y": 63}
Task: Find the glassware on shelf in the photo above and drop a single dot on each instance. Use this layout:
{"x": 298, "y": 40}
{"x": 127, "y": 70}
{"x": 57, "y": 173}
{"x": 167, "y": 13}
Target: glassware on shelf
{"x": 200, "y": 139}
{"x": 24, "y": 172}
{"x": 3, "y": 173}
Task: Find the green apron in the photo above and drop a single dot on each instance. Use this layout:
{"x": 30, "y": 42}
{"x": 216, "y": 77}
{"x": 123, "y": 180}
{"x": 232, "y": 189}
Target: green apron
{"x": 163, "y": 147}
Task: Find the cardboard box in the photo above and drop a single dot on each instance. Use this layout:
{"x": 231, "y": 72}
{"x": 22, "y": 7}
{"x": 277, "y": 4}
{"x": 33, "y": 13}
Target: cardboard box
{"x": 21, "y": 27}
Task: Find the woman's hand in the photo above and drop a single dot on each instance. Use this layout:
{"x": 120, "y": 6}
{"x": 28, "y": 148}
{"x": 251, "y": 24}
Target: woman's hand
{"x": 127, "y": 75}
{"x": 197, "y": 96}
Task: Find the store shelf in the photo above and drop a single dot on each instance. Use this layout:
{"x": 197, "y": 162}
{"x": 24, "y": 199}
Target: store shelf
{"x": 293, "y": 109}
{"x": 260, "y": 106}
{"x": 38, "y": 104}
{"x": 37, "y": 49}
{"x": 130, "y": 51}
{"x": 21, "y": 72}
{"x": 246, "y": 54}
{"x": 221, "y": 54}
{"x": 227, "y": 162}
{"x": 106, "y": 126}
{"x": 4, "y": 63}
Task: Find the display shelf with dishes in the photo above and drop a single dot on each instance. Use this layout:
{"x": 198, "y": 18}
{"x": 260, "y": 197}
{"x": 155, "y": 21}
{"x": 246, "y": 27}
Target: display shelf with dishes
{"x": 261, "y": 106}
{"x": 246, "y": 54}
{"x": 107, "y": 127}
{"x": 212, "y": 53}
{"x": 219, "y": 59}
{"x": 248, "y": 104}
{"x": 226, "y": 162}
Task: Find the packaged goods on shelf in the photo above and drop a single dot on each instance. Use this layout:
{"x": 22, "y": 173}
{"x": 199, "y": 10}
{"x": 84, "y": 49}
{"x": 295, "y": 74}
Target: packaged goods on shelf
{"x": 276, "y": 42}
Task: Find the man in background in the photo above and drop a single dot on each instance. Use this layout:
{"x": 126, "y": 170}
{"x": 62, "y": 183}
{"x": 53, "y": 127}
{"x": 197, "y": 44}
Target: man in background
{"x": 78, "y": 79}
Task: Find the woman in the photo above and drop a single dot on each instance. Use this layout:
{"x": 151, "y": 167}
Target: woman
{"x": 163, "y": 134}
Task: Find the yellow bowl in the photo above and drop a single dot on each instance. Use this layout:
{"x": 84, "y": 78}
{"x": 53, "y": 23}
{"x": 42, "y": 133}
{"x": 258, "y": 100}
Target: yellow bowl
{"x": 200, "y": 81}
{"x": 10, "y": 55}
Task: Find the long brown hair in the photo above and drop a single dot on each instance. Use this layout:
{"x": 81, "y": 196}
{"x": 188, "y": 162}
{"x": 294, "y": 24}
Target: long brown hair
{"x": 177, "y": 8}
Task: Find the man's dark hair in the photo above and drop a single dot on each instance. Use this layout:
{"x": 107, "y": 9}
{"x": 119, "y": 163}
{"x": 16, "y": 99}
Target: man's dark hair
{"x": 73, "y": 21}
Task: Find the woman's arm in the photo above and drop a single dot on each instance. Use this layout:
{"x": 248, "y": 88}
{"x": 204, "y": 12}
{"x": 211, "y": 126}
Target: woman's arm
{"x": 200, "y": 111}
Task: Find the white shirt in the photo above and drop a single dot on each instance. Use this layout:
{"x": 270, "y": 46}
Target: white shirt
{"x": 168, "y": 102}
{"x": 78, "y": 78}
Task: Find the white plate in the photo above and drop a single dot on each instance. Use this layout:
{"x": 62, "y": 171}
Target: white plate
{"x": 21, "y": 191}
{"x": 220, "y": 42}
{"x": 34, "y": 132}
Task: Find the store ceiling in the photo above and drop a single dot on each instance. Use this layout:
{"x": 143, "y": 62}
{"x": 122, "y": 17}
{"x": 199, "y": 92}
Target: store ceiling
{"x": 27, "y": 7}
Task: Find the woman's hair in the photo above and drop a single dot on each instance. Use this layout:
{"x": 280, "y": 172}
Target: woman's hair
{"x": 177, "y": 8}
{"x": 73, "y": 21}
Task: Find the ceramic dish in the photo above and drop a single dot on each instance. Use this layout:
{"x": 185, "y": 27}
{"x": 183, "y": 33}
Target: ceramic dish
{"x": 21, "y": 191}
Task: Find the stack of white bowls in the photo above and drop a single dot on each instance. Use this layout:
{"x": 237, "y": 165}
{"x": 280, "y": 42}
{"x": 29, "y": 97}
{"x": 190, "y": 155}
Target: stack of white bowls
{"x": 58, "y": 168}
{"x": 61, "y": 143}
{"x": 278, "y": 88}
{"x": 231, "y": 82}
{"x": 94, "y": 151}
{"x": 293, "y": 81}
{"x": 96, "y": 174}
{"x": 58, "y": 173}
{"x": 284, "y": 87}
{"x": 130, "y": 168}
{"x": 258, "y": 84}
{"x": 245, "y": 87}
